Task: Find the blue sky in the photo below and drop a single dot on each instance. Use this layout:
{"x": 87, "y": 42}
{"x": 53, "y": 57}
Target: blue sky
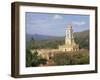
{"x": 54, "y": 24}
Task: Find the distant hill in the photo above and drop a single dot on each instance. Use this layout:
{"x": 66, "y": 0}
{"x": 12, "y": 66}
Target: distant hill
{"x": 45, "y": 41}
{"x": 82, "y": 34}
{"x": 82, "y": 38}
{"x": 42, "y": 37}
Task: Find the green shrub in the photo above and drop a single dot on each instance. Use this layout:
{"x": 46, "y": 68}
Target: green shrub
{"x": 71, "y": 58}
{"x": 28, "y": 58}
{"x": 32, "y": 59}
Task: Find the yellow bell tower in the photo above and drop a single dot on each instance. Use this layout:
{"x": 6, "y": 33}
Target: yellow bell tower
{"x": 69, "y": 45}
{"x": 69, "y": 39}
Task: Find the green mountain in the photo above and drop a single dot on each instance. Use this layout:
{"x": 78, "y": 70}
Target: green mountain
{"x": 83, "y": 34}
{"x": 82, "y": 38}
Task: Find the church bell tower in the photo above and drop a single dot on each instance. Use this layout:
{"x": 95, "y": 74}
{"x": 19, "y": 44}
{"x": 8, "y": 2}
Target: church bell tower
{"x": 69, "y": 40}
{"x": 69, "y": 45}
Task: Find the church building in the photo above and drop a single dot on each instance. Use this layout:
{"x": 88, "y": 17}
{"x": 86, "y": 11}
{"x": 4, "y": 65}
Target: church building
{"x": 70, "y": 44}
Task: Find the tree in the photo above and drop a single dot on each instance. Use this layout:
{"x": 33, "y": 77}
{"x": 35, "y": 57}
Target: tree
{"x": 61, "y": 59}
{"x": 28, "y": 58}
{"x": 33, "y": 59}
{"x": 30, "y": 44}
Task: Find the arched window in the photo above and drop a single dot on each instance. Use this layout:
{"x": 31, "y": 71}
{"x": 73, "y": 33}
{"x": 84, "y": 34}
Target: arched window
{"x": 67, "y": 35}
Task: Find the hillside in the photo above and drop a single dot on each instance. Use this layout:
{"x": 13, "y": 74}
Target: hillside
{"x": 42, "y": 37}
{"x": 83, "y": 34}
{"x": 45, "y": 41}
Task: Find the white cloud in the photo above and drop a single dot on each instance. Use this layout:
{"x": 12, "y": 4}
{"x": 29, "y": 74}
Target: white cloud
{"x": 57, "y": 17}
{"x": 79, "y": 23}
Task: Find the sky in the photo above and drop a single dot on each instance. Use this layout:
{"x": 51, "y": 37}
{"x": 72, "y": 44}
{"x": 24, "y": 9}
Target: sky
{"x": 54, "y": 24}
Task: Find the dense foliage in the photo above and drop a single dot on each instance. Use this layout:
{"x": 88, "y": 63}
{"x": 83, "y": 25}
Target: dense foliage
{"x": 32, "y": 59}
{"x": 53, "y": 44}
{"x": 71, "y": 58}
{"x": 83, "y": 42}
